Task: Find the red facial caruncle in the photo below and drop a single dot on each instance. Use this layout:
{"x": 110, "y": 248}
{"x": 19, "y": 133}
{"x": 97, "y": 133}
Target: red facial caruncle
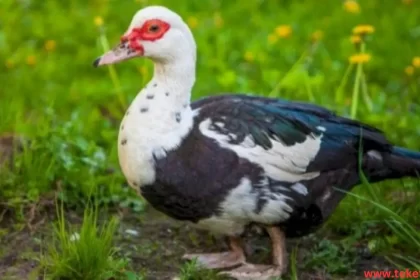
{"x": 151, "y": 30}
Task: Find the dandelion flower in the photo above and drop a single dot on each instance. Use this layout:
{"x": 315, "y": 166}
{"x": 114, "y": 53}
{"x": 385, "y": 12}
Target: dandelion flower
{"x": 351, "y": 6}
{"x": 416, "y": 61}
{"x": 249, "y": 56}
{"x": 218, "y": 20}
{"x": 317, "y": 35}
{"x": 192, "y": 22}
{"x": 359, "y": 58}
{"x": 283, "y": 31}
{"x": 98, "y": 21}
{"x": 31, "y": 60}
{"x": 272, "y": 38}
{"x": 363, "y": 29}
{"x": 355, "y": 39}
{"x": 50, "y": 45}
{"x": 409, "y": 70}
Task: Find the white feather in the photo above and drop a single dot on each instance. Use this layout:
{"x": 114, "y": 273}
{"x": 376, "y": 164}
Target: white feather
{"x": 150, "y": 135}
{"x": 239, "y": 209}
{"x": 300, "y": 188}
{"x": 281, "y": 162}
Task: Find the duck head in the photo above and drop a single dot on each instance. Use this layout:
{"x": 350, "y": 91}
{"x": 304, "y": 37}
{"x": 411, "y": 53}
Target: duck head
{"x": 155, "y": 32}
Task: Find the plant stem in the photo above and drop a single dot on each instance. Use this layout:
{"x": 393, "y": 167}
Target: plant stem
{"x": 297, "y": 64}
{"x": 356, "y": 88}
{"x": 366, "y": 96}
{"x": 308, "y": 88}
{"x": 112, "y": 72}
{"x": 340, "y": 89}
{"x": 355, "y": 97}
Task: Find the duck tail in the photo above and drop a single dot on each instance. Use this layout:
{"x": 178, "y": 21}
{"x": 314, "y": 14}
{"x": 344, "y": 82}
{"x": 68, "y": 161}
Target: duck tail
{"x": 403, "y": 162}
{"x": 395, "y": 163}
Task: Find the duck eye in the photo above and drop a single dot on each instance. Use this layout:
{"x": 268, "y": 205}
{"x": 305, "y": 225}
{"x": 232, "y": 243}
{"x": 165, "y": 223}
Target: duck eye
{"x": 154, "y": 28}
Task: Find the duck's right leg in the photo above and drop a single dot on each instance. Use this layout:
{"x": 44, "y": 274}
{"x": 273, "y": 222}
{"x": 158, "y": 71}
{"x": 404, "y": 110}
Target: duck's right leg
{"x": 234, "y": 257}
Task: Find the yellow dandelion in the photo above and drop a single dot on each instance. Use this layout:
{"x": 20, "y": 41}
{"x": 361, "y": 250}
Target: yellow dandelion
{"x": 283, "y": 31}
{"x": 9, "y": 63}
{"x": 355, "y": 39}
{"x": 272, "y": 38}
{"x": 249, "y": 56}
{"x": 31, "y": 60}
{"x": 407, "y": 2}
{"x": 192, "y": 22}
{"x": 218, "y": 20}
{"x": 317, "y": 35}
{"x": 98, "y": 21}
{"x": 416, "y": 61}
{"x": 50, "y": 45}
{"x": 363, "y": 29}
{"x": 409, "y": 70}
{"x": 351, "y": 6}
{"x": 359, "y": 58}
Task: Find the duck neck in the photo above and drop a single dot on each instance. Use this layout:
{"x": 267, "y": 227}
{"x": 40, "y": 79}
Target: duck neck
{"x": 163, "y": 106}
{"x": 174, "y": 82}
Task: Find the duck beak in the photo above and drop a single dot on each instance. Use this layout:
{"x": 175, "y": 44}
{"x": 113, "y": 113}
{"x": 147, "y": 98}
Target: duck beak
{"x": 121, "y": 52}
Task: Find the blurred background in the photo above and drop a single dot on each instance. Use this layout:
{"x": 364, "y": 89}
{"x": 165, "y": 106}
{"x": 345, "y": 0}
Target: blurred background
{"x": 358, "y": 58}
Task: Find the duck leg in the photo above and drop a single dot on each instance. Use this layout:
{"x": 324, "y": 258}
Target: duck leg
{"x": 264, "y": 272}
{"x": 234, "y": 257}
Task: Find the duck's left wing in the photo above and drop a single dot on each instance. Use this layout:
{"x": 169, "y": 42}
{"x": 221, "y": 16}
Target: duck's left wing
{"x": 290, "y": 141}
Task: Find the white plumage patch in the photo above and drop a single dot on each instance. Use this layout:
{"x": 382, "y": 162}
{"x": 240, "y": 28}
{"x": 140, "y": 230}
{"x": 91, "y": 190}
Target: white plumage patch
{"x": 300, "y": 188}
{"x": 375, "y": 154}
{"x": 321, "y": 128}
{"x": 239, "y": 209}
{"x": 326, "y": 195}
{"x": 281, "y": 162}
{"x": 152, "y": 133}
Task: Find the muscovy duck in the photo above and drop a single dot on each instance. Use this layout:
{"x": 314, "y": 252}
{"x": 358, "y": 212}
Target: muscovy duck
{"x": 226, "y": 162}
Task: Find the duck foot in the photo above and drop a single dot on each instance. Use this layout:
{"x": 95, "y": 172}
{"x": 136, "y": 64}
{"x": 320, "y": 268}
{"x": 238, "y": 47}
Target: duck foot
{"x": 216, "y": 260}
{"x": 264, "y": 272}
{"x": 254, "y": 272}
{"x": 234, "y": 257}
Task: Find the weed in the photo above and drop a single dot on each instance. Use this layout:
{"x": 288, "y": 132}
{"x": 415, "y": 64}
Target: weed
{"x": 86, "y": 252}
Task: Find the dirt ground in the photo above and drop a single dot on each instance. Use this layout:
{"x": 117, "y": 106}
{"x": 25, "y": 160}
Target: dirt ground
{"x": 156, "y": 248}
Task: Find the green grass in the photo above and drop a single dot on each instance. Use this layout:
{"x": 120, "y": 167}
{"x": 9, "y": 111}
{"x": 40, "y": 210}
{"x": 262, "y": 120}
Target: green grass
{"x": 86, "y": 252}
{"x": 69, "y": 112}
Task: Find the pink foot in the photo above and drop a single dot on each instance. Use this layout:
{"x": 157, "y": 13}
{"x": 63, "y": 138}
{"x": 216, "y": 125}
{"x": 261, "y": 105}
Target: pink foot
{"x": 217, "y": 260}
{"x": 254, "y": 272}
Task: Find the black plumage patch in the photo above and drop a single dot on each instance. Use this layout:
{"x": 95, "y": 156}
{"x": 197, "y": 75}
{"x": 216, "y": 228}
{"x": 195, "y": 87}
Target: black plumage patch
{"x": 190, "y": 188}
{"x": 155, "y": 85}
{"x": 178, "y": 117}
{"x": 167, "y": 93}
{"x": 124, "y": 141}
{"x": 262, "y": 120}
{"x": 144, "y": 110}
{"x": 151, "y": 96}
